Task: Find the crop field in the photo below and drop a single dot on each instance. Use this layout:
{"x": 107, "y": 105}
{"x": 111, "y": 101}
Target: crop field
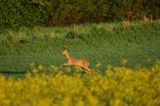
{"x": 118, "y": 86}
{"x": 136, "y": 44}
{"x": 123, "y": 56}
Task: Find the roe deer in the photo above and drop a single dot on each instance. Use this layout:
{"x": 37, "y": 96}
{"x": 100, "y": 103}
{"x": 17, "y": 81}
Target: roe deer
{"x": 76, "y": 62}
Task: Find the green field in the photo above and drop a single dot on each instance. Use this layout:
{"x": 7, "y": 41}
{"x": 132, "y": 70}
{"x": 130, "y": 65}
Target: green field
{"x": 105, "y": 43}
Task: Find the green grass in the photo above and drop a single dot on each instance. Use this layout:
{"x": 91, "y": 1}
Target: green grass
{"x": 107, "y": 43}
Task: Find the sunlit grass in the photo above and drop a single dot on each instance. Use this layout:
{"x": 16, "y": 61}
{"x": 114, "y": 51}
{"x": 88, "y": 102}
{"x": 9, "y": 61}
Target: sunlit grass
{"x": 107, "y": 43}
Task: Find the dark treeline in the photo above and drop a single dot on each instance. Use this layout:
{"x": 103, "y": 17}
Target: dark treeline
{"x": 17, "y": 13}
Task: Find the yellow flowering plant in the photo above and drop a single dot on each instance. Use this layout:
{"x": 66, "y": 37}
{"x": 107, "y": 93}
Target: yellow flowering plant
{"x": 118, "y": 86}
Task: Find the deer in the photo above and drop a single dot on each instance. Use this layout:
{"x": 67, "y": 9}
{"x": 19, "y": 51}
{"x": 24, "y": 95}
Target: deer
{"x": 76, "y": 62}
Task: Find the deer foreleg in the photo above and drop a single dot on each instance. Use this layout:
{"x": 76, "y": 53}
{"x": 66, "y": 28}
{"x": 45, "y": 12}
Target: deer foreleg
{"x": 66, "y": 64}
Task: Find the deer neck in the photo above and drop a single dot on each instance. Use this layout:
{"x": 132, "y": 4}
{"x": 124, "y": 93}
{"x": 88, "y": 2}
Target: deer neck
{"x": 67, "y": 55}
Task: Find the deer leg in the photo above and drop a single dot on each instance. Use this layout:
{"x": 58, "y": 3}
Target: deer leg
{"x": 66, "y": 64}
{"x": 61, "y": 67}
{"x": 88, "y": 70}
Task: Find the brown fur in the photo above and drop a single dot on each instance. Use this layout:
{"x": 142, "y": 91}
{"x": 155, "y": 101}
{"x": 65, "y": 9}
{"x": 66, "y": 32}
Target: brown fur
{"x": 76, "y": 62}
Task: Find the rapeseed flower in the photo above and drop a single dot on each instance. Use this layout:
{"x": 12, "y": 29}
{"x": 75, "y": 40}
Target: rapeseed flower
{"x": 119, "y": 86}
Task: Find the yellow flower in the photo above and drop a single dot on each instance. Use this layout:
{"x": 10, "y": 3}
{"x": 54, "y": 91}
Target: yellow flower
{"x": 124, "y": 61}
{"x": 40, "y": 67}
{"x": 32, "y": 64}
{"x": 118, "y": 102}
{"x": 34, "y": 71}
{"x": 67, "y": 101}
{"x": 80, "y": 103}
{"x": 44, "y": 102}
{"x": 98, "y": 64}
{"x": 119, "y": 86}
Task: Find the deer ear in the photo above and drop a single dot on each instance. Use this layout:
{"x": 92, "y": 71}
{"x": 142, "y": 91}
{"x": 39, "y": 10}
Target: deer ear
{"x": 64, "y": 48}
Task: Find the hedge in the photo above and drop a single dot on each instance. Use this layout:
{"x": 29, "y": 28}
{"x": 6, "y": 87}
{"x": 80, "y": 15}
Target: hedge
{"x": 17, "y": 13}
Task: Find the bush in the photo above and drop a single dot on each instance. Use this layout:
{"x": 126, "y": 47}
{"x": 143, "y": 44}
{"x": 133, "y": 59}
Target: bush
{"x": 61, "y": 12}
{"x": 15, "y": 13}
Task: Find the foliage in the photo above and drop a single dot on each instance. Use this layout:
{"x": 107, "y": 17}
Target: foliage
{"x": 19, "y": 13}
{"x": 14, "y": 14}
{"x": 117, "y": 87}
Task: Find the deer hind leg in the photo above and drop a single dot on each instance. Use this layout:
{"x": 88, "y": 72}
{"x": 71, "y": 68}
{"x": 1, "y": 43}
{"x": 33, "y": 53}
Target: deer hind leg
{"x": 88, "y": 70}
{"x": 85, "y": 66}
